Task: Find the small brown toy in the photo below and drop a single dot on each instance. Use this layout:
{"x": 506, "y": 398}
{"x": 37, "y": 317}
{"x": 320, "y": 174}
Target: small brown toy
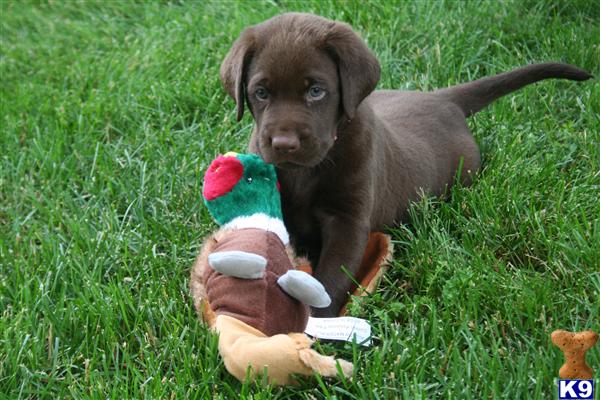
{"x": 574, "y": 345}
{"x": 244, "y": 282}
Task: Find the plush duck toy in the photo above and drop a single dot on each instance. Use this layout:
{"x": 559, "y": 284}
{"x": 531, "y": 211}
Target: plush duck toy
{"x": 244, "y": 283}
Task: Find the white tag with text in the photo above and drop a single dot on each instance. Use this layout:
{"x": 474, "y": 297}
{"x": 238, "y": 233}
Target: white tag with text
{"x": 342, "y": 328}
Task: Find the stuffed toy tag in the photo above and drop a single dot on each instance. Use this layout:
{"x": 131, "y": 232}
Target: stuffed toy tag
{"x": 349, "y": 329}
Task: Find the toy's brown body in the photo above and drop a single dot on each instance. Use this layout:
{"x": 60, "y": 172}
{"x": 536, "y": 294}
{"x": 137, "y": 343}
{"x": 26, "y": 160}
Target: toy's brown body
{"x": 260, "y": 303}
{"x": 229, "y": 307}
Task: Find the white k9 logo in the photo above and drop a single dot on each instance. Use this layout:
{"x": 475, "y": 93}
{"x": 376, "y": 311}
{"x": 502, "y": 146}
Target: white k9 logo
{"x": 575, "y": 389}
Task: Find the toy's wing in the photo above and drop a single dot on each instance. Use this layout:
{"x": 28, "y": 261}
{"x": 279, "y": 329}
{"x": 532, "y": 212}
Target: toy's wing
{"x": 238, "y": 264}
{"x": 305, "y": 288}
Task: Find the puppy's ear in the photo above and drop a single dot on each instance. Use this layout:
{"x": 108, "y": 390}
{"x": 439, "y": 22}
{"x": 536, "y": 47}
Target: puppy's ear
{"x": 357, "y": 66}
{"x": 234, "y": 68}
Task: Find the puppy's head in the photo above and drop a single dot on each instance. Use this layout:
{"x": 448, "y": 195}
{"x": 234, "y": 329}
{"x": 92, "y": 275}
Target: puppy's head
{"x": 300, "y": 75}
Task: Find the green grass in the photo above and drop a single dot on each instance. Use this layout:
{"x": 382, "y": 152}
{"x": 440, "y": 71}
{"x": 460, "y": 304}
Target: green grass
{"x": 111, "y": 111}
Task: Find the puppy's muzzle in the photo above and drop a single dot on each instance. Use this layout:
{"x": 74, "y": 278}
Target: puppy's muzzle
{"x": 285, "y": 143}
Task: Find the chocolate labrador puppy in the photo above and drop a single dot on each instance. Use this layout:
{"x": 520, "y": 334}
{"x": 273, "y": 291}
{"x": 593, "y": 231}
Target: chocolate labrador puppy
{"x": 350, "y": 159}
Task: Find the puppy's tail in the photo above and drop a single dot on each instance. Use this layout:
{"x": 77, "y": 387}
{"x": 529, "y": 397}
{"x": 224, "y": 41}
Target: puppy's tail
{"x": 471, "y": 97}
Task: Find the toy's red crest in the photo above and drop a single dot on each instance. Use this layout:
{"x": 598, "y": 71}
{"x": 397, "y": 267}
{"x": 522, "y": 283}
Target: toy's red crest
{"x": 221, "y": 176}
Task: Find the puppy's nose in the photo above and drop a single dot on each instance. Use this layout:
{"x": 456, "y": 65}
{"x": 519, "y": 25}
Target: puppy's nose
{"x": 285, "y": 143}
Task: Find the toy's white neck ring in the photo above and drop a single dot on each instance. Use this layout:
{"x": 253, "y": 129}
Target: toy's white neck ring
{"x": 261, "y": 221}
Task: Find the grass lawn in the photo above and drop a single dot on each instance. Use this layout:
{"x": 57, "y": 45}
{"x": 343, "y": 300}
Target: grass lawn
{"x": 110, "y": 113}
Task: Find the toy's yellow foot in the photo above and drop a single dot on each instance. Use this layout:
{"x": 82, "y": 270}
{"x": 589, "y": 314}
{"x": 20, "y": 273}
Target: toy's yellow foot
{"x": 249, "y": 354}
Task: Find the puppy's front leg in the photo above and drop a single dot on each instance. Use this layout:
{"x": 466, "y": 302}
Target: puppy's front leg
{"x": 344, "y": 242}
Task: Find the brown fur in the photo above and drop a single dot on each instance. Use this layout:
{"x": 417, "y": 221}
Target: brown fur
{"x": 350, "y": 162}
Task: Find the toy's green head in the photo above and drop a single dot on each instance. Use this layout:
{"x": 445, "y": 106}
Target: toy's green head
{"x": 240, "y": 185}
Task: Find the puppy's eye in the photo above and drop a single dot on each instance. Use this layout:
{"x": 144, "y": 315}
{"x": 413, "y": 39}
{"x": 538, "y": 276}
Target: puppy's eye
{"x": 261, "y": 93}
{"x": 316, "y": 93}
